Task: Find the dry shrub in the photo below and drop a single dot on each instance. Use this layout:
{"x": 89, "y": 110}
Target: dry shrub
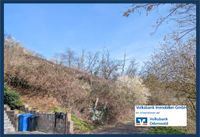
{"x": 50, "y": 84}
{"x": 40, "y": 103}
{"x": 34, "y": 76}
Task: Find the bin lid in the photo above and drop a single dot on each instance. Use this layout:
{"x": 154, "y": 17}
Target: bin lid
{"x": 25, "y": 115}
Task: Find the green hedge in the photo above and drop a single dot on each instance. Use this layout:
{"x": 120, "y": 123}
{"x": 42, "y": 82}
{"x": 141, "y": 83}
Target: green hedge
{"x": 11, "y": 98}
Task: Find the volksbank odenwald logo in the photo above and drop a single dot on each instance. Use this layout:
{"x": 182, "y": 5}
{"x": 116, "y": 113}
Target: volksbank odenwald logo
{"x": 141, "y": 121}
{"x": 160, "y": 115}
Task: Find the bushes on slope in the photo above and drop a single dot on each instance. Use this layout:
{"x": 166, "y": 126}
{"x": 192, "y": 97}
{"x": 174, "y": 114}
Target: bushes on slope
{"x": 12, "y": 98}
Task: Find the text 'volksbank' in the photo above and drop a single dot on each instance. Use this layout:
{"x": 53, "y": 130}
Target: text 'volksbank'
{"x": 161, "y": 115}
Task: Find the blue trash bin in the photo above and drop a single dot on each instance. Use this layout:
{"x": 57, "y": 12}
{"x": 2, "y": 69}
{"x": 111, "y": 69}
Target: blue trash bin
{"x": 23, "y": 121}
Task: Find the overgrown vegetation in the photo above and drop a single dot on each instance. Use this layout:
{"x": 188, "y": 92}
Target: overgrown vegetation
{"x": 165, "y": 130}
{"x": 73, "y": 89}
{"x": 12, "y": 98}
{"x": 81, "y": 126}
{"x": 57, "y": 109}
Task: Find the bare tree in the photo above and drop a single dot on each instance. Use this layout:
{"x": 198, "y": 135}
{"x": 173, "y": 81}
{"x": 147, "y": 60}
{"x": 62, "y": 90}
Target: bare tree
{"x": 183, "y": 15}
{"x": 57, "y": 59}
{"x": 123, "y": 64}
{"x": 81, "y": 61}
{"x": 93, "y": 63}
{"x": 171, "y": 72}
{"x": 68, "y": 58}
{"x": 132, "y": 69}
{"x": 109, "y": 67}
{"x": 174, "y": 69}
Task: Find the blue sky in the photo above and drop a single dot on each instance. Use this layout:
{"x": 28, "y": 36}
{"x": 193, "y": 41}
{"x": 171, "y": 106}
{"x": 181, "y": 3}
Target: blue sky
{"x": 52, "y": 28}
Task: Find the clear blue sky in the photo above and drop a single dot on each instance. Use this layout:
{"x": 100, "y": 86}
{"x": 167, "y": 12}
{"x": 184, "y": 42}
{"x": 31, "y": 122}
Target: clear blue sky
{"x": 52, "y": 28}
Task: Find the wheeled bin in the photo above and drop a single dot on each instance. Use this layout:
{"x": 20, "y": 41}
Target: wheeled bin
{"x": 32, "y": 123}
{"x": 23, "y": 121}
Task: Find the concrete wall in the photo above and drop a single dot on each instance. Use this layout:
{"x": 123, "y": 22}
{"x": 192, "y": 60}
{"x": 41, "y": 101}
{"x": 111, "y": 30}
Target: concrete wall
{"x": 45, "y": 121}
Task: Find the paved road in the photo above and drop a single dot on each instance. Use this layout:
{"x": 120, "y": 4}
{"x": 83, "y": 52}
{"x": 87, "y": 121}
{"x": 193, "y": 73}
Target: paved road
{"x": 123, "y": 128}
{"x": 27, "y": 132}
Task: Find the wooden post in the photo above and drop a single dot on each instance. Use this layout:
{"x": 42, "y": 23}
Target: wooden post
{"x": 70, "y": 127}
{"x": 69, "y": 124}
{"x": 16, "y": 120}
{"x": 69, "y": 116}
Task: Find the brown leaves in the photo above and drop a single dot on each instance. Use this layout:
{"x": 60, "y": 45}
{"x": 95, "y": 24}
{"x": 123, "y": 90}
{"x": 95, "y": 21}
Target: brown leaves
{"x": 150, "y": 7}
{"x": 126, "y": 14}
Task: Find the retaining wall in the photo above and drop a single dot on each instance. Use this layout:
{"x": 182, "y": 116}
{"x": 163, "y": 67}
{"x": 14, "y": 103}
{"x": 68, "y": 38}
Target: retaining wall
{"x": 45, "y": 122}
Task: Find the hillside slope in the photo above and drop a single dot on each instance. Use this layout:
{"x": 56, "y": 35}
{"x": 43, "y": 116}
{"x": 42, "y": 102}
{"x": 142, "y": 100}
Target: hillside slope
{"x": 42, "y": 83}
{"x": 45, "y": 85}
